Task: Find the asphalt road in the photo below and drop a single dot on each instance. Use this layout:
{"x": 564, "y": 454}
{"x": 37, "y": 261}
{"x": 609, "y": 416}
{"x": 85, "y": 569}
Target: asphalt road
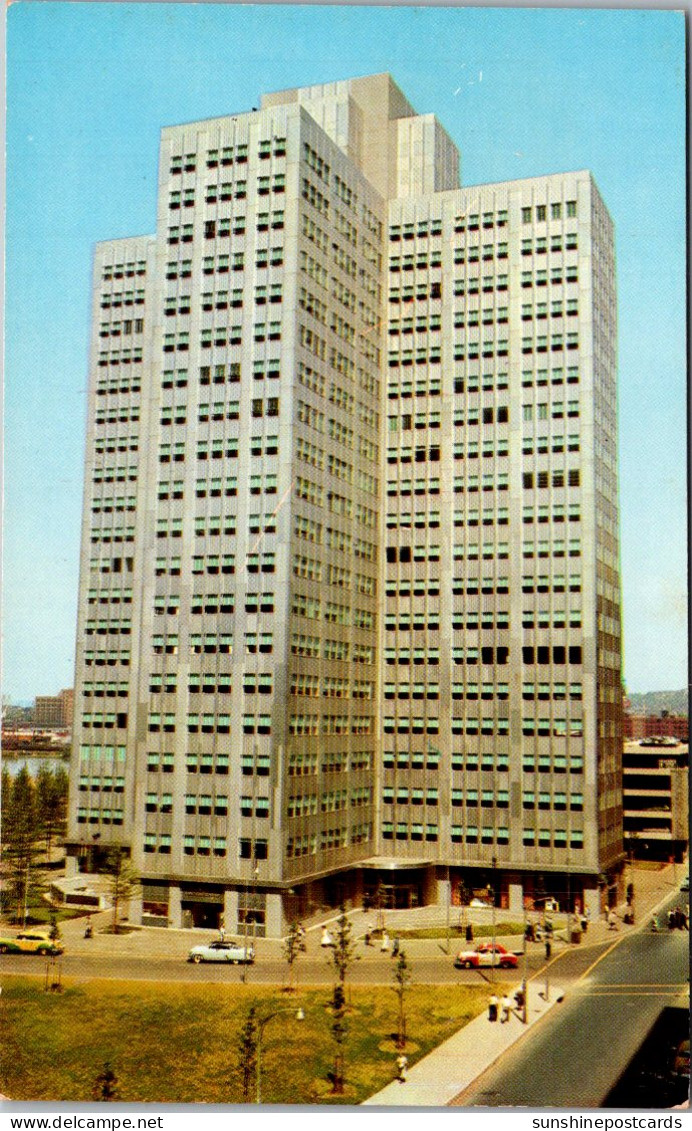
{"x": 574, "y": 1058}
{"x": 367, "y": 969}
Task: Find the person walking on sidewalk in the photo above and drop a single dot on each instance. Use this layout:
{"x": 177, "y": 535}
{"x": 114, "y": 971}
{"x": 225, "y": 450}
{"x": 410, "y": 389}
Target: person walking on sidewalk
{"x": 506, "y": 1008}
{"x": 492, "y": 1008}
{"x": 402, "y": 1068}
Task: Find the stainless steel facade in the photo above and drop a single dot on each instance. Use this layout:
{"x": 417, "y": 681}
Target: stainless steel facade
{"x": 349, "y": 594}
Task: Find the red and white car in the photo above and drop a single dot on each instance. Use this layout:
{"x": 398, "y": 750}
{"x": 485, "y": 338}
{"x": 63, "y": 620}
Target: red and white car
{"x": 485, "y": 954}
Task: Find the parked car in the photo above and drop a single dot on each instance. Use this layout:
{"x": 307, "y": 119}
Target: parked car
{"x": 30, "y": 942}
{"x": 486, "y": 955}
{"x": 222, "y": 950}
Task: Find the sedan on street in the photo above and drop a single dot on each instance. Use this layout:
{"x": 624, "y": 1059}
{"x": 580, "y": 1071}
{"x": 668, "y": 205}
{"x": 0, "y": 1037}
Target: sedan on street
{"x": 485, "y": 954}
{"x": 222, "y": 950}
{"x": 30, "y": 942}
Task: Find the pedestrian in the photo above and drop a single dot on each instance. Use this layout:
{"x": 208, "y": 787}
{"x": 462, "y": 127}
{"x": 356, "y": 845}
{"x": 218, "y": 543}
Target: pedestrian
{"x": 469, "y": 932}
{"x": 492, "y": 1008}
{"x": 384, "y": 945}
{"x": 326, "y": 939}
{"x": 584, "y": 924}
{"x": 612, "y": 921}
{"x": 671, "y": 919}
{"x": 402, "y": 1068}
{"x": 222, "y": 932}
{"x": 506, "y": 1008}
{"x": 88, "y": 930}
{"x": 396, "y": 946}
{"x": 519, "y": 997}
{"x": 548, "y": 949}
{"x": 367, "y": 938}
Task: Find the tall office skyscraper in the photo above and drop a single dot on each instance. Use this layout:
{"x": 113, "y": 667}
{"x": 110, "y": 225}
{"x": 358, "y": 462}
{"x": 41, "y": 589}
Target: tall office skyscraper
{"x": 349, "y": 613}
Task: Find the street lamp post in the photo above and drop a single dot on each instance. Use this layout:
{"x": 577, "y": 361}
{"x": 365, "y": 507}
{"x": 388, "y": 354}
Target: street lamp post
{"x": 494, "y": 863}
{"x": 299, "y": 1015}
{"x": 525, "y": 982}
{"x": 449, "y": 898}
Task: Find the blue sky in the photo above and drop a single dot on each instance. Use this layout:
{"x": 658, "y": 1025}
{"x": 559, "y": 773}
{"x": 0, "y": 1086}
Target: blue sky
{"x": 523, "y": 92}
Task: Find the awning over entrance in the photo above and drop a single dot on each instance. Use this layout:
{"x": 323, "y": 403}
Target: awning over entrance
{"x": 392, "y": 864}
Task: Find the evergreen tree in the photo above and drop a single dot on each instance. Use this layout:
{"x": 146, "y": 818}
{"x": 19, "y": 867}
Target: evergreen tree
{"x": 20, "y": 839}
{"x": 51, "y": 804}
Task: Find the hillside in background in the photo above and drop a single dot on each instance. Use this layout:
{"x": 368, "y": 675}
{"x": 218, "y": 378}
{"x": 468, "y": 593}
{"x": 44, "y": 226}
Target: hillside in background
{"x": 653, "y": 702}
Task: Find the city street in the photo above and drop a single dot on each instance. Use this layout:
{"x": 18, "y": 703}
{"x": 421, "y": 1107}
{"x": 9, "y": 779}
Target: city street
{"x": 429, "y": 966}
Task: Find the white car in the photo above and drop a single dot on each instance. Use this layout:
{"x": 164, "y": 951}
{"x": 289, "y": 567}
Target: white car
{"x": 222, "y": 950}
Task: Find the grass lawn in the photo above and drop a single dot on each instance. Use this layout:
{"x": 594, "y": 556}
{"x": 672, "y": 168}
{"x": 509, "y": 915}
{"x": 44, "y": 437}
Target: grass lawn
{"x": 178, "y": 1043}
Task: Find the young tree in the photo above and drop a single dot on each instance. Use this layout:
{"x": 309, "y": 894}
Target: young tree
{"x": 105, "y": 1089}
{"x": 294, "y": 944}
{"x": 402, "y": 977}
{"x": 54, "y": 931}
{"x": 247, "y": 1055}
{"x": 344, "y": 949}
{"x": 339, "y": 1030}
{"x": 123, "y": 882}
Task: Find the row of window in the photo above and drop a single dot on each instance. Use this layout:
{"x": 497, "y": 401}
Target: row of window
{"x": 331, "y": 687}
{"x": 103, "y": 816}
{"x": 306, "y": 763}
{"x": 116, "y": 300}
{"x": 543, "y": 618}
{"x": 230, "y": 154}
{"x": 118, "y": 357}
{"x": 556, "y": 549}
{"x": 126, "y": 270}
{"x": 539, "y": 212}
{"x": 474, "y": 253}
{"x": 115, "y": 329}
{"x": 539, "y": 343}
{"x": 313, "y": 647}
{"x": 558, "y": 241}
{"x": 302, "y": 724}
{"x": 110, "y": 657}
{"x": 112, "y": 386}
{"x": 306, "y": 845}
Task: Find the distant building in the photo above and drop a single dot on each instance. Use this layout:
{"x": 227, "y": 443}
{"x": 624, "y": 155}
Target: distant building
{"x": 54, "y": 710}
{"x": 655, "y": 781}
{"x": 653, "y": 726}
